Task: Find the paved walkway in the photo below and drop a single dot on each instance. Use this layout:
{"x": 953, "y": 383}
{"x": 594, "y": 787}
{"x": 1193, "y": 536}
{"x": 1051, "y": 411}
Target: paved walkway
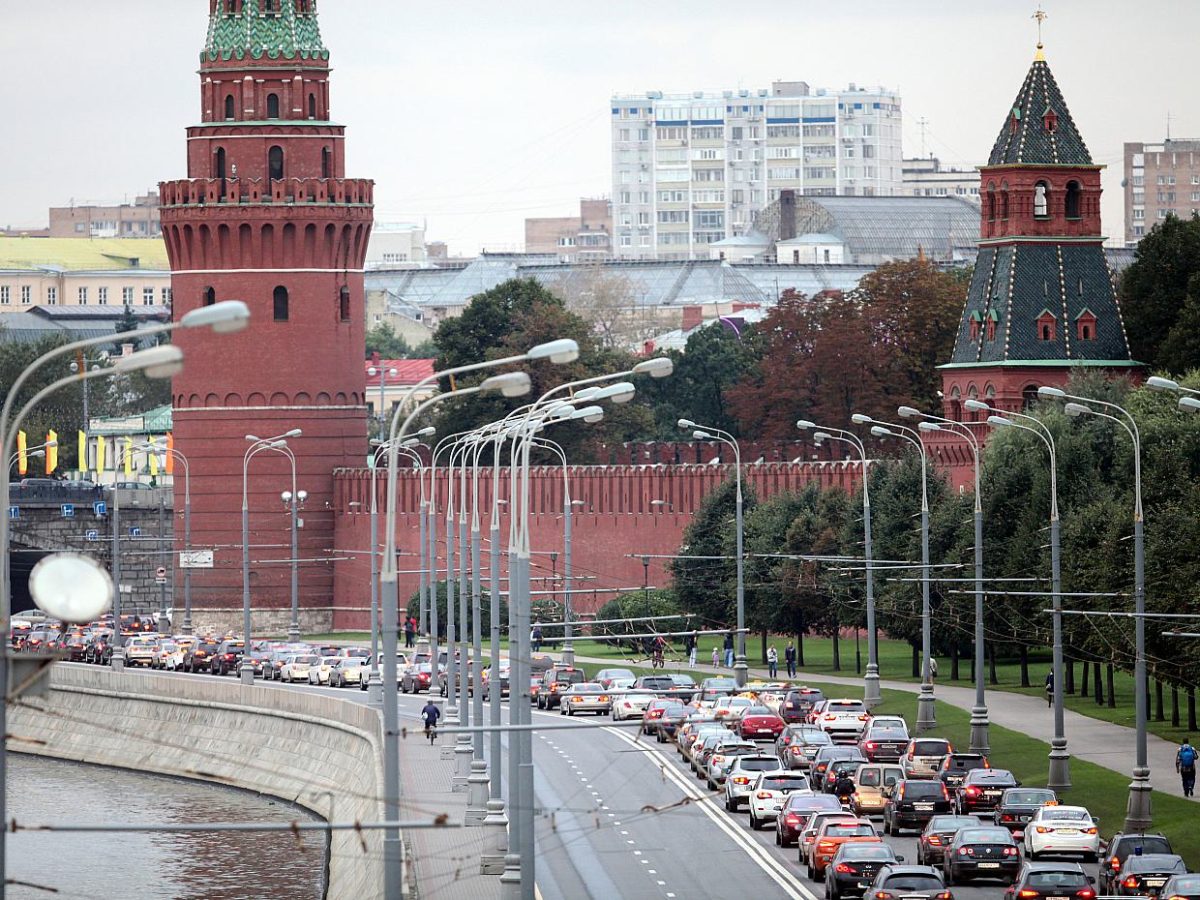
{"x": 1108, "y": 745}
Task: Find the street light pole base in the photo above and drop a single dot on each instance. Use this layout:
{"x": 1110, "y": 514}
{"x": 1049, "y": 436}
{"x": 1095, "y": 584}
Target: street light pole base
{"x": 246, "y": 673}
{"x": 740, "y": 671}
{"x": 492, "y": 862}
{"x": 568, "y": 654}
{"x": 374, "y": 688}
{"x": 462, "y": 764}
{"x": 294, "y": 633}
{"x": 1060, "y": 766}
{"x": 510, "y": 881}
{"x": 477, "y": 794}
{"x": 446, "y": 740}
{"x": 117, "y": 660}
{"x": 926, "y": 716}
{"x": 871, "y": 696}
{"x": 1137, "y": 813}
{"x": 979, "y": 730}
{"x": 186, "y": 627}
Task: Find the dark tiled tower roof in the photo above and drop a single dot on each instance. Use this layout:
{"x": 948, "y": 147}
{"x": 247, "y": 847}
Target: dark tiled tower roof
{"x": 1023, "y": 140}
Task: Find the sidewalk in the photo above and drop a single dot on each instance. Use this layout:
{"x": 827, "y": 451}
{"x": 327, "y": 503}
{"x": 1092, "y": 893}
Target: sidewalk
{"x": 1103, "y": 743}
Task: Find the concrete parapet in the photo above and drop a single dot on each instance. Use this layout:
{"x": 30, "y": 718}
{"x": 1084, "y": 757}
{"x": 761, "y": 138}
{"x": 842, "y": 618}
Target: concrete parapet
{"x": 319, "y": 752}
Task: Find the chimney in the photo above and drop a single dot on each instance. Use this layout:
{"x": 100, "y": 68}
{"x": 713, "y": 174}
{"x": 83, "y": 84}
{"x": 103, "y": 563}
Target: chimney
{"x": 692, "y": 316}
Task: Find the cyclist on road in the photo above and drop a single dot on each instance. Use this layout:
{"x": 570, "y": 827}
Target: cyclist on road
{"x": 430, "y": 714}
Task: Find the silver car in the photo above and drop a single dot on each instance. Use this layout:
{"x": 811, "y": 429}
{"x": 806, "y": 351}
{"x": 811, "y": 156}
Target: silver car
{"x": 586, "y": 697}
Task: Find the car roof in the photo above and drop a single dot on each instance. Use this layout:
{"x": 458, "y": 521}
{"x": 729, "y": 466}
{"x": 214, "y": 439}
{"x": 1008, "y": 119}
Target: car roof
{"x": 911, "y": 870}
{"x": 1053, "y": 867}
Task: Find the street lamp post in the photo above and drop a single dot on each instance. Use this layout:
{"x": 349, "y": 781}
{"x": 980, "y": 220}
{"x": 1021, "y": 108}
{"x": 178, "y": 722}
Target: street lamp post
{"x": 704, "y": 433}
{"x": 871, "y": 695}
{"x": 979, "y": 713}
{"x": 1137, "y": 812}
{"x": 294, "y": 499}
{"x": 926, "y": 710}
{"x": 1060, "y": 760}
{"x": 384, "y": 374}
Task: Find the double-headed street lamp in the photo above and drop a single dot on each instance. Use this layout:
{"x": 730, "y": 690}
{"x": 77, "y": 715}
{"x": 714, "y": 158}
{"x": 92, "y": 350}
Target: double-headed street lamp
{"x": 1137, "y": 812}
{"x": 708, "y": 433}
{"x": 383, "y": 373}
{"x": 871, "y": 696}
{"x": 1060, "y": 760}
{"x": 293, "y": 500}
{"x": 926, "y": 711}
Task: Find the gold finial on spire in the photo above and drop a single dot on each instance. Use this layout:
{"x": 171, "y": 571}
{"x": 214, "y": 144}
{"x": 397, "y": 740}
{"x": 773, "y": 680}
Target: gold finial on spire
{"x": 1041, "y": 17}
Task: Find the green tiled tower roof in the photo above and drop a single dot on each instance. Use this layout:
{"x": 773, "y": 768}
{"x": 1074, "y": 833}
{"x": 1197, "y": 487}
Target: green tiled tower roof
{"x": 257, "y": 31}
{"x": 1025, "y": 139}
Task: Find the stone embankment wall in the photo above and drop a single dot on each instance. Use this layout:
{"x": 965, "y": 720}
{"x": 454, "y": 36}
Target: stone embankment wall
{"x": 319, "y": 752}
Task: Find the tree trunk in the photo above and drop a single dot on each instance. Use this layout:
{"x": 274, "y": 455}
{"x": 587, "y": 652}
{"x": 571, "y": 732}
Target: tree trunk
{"x": 972, "y": 665}
{"x": 764, "y": 647}
{"x": 1083, "y": 685}
{"x": 1069, "y": 680}
{"x": 992, "y": 677}
{"x": 1175, "y": 705}
{"x": 1024, "y": 666}
{"x": 1112, "y": 693}
{"x": 1159, "y": 714}
{"x": 1191, "y": 707}
{"x": 1097, "y": 687}
{"x": 837, "y": 647}
{"x": 954, "y": 662}
{"x": 800, "y": 649}
{"x": 916, "y": 662}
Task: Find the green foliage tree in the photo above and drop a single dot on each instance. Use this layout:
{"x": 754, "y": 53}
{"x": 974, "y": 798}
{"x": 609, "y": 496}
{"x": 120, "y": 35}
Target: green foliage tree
{"x": 414, "y": 608}
{"x": 705, "y": 573}
{"x": 636, "y": 605}
{"x": 1160, "y": 301}
{"x": 382, "y": 339}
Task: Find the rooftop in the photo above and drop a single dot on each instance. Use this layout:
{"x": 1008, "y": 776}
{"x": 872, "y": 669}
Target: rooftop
{"x": 1039, "y": 129}
{"x": 878, "y": 229}
{"x": 84, "y": 254}
{"x": 407, "y": 371}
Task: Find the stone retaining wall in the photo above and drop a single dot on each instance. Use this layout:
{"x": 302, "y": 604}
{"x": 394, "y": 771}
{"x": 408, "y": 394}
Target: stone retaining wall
{"x": 319, "y": 752}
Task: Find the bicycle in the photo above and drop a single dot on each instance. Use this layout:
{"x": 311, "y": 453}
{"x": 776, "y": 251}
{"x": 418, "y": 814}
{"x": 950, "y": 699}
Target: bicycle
{"x": 431, "y": 731}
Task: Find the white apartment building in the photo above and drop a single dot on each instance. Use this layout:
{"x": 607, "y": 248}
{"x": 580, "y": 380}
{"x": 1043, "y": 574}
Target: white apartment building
{"x": 692, "y": 169}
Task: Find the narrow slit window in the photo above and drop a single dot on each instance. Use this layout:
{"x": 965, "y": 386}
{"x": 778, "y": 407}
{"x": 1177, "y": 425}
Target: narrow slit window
{"x": 281, "y": 304}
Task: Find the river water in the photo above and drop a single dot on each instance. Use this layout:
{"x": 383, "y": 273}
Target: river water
{"x": 146, "y": 866}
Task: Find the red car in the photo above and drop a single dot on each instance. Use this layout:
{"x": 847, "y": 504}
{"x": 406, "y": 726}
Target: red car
{"x": 759, "y": 723}
{"x": 654, "y": 712}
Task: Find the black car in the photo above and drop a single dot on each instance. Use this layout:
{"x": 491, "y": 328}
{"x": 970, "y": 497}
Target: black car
{"x": 885, "y": 742}
{"x": 72, "y": 646}
{"x": 1185, "y": 886}
{"x": 668, "y": 723}
{"x": 909, "y": 882}
{"x": 1121, "y": 845}
{"x": 911, "y": 804}
{"x": 1017, "y": 806}
{"x": 685, "y": 689}
{"x": 720, "y": 686}
{"x": 826, "y": 756}
{"x": 797, "y": 810}
{"x": 98, "y": 649}
{"x": 854, "y": 867}
{"x": 798, "y": 744}
{"x": 981, "y": 789}
{"x": 797, "y": 704}
{"x": 988, "y": 852}
{"x": 199, "y": 656}
{"x": 1042, "y": 880}
{"x": 955, "y": 766}
{"x": 227, "y": 658}
{"x": 1144, "y": 875}
{"x": 939, "y": 832}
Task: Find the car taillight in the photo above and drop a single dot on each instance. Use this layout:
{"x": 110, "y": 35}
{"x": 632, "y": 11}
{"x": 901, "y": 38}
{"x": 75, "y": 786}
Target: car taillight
{"x": 1026, "y": 893}
{"x": 1114, "y": 864}
{"x": 870, "y": 745}
{"x": 1042, "y": 829}
{"x": 1089, "y": 894}
{"x": 935, "y": 839}
{"x": 764, "y": 795}
{"x": 965, "y": 851}
{"x": 944, "y": 895}
{"x": 797, "y": 751}
{"x": 829, "y": 717}
{"x": 1090, "y": 831}
{"x": 886, "y": 895}
{"x": 844, "y": 869}
{"x": 1010, "y": 851}
{"x": 602, "y": 698}
{"x": 718, "y": 760}
{"x": 1005, "y": 817}
{"x": 825, "y": 845}
{"x": 791, "y": 819}
{"x": 741, "y": 779}
{"x": 863, "y": 717}
{"x": 1130, "y": 882}
{"x": 972, "y": 792}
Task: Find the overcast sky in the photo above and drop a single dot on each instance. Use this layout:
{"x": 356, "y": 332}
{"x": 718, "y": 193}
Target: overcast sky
{"x": 473, "y": 115}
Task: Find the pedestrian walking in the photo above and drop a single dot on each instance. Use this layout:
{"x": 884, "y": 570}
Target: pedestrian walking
{"x": 933, "y": 668}
{"x": 1185, "y": 765}
{"x": 729, "y": 649}
{"x": 1050, "y": 688}
{"x": 690, "y": 644}
{"x": 716, "y": 656}
{"x": 535, "y": 637}
{"x": 772, "y": 662}
{"x": 789, "y": 656}
{"x": 410, "y": 631}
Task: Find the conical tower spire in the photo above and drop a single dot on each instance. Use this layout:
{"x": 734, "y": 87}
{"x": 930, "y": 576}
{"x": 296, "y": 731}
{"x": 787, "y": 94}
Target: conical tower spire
{"x": 277, "y": 29}
{"x": 1039, "y": 129}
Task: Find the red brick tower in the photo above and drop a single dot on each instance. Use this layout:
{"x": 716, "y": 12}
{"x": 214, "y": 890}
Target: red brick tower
{"x": 267, "y": 216}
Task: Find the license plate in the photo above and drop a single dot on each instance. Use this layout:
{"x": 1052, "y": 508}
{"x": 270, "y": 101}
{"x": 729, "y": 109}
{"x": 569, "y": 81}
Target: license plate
{"x": 922, "y": 807}
{"x": 1155, "y": 882}
{"x": 1067, "y": 830}
{"x": 863, "y": 885}
{"x": 992, "y": 793}
{"x": 778, "y": 807}
{"x": 1057, "y": 898}
{"x": 984, "y": 865}
{"x": 764, "y": 731}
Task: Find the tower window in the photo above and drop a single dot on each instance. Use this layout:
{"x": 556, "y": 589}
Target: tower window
{"x": 312, "y": 106}
{"x": 325, "y": 162}
{"x": 220, "y": 162}
{"x": 271, "y": 7}
{"x": 275, "y": 163}
{"x": 1046, "y": 326}
{"x": 344, "y": 304}
{"x": 210, "y": 296}
{"x": 281, "y": 304}
{"x": 1004, "y": 201}
{"x": 272, "y": 106}
{"x": 991, "y": 203}
{"x": 1041, "y": 200}
{"x": 1073, "y": 201}
{"x": 229, "y": 108}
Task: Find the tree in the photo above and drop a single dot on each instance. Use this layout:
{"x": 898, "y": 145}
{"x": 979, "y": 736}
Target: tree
{"x": 1159, "y": 298}
{"x": 382, "y": 339}
{"x": 128, "y": 322}
{"x": 608, "y": 301}
{"x": 61, "y": 410}
{"x": 705, "y": 571}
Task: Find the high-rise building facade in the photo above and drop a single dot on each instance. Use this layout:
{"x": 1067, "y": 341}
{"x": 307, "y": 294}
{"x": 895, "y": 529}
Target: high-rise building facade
{"x": 691, "y": 169}
{"x": 1159, "y": 179}
{"x": 267, "y": 216}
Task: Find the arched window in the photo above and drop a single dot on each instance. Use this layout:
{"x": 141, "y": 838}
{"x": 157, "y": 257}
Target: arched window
{"x": 275, "y": 163}
{"x": 281, "y": 304}
{"x": 344, "y": 304}
{"x": 1029, "y": 396}
{"x": 229, "y": 108}
{"x": 271, "y": 7}
{"x": 1047, "y": 326}
{"x": 1041, "y": 200}
{"x": 220, "y": 169}
{"x": 210, "y": 296}
{"x": 1073, "y": 201}
{"x": 272, "y": 106}
{"x": 991, "y": 203}
{"x": 312, "y": 106}
{"x": 325, "y": 162}
{"x": 956, "y": 404}
{"x": 1004, "y": 200}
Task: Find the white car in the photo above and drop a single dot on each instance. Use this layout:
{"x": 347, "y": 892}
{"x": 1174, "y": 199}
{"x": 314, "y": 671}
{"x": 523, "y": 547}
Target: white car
{"x": 843, "y": 720}
{"x": 769, "y": 792}
{"x": 347, "y": 671}
{"x": 727, "y": 709}
{"x": 631, "y": 704}
{"x": 295, "y": 668}
{"x": 742, "y": 773}
{"x": 586, "y": 697}
{"x": 723, "y": 758}
{"x": 318, "y": 672}
{"x": 139, "y": 651}
{"x": 168, "y": 656}
{"x": 1062, "y": 829}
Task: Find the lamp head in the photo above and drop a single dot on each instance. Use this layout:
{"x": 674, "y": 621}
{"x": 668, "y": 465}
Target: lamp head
{"x": 411, "y": 442}
{"x": 823, "y": 436}
{"x": 975, "y": 405}
{"x": 860, "y": 419}
{"x": 588, "y": 393}
{"x": 805, "y": 425}
{"x": 372, "y": 371}
{"x": 880, "y": 431}
{"x": 999, "y": 421}
{"x": 929, "y": 426}
{"x": 589, "y": 414}
{"x": 286, "y": 496}
{"x": 907, "y": 412}
{"x": 659, "y": 367}
{"x": 301, "y": 495}
{"x": 163, "y": 361}
{"x": 427, "y": 431}
{"x": 223, "y": 318}
{"x": 510, "y": 384}
{"x": 699, "y": 435}
{"x": 558, "y": 352}
{"x": 1161, "y": 384}
{"x": 1075, "y": 409}
{"x": 621, "y": 392}
{"x": 685, "y": 424}
{"x": 1191, "y": 404}
{"x": 1051, "y": 393}
{"x": 295, "y": 432}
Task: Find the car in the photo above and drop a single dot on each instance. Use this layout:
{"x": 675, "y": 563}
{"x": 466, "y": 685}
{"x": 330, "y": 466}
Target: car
{"x": 416, "y": 678}
{"x": 824, "y": 757}
{"x": 981, "y": 789}
{"x": 276, "y": 657}
{"x": 98, "y": 648}
{"x": 139, "y": 650}
{"x": 721, "y": 759}
{"x": 295, "y": 667}
{"x": 854, "y": 867}
{"x": 402, "y": 663}
{"x": 73, "y": 646}
{"x": 555, "y": 682}
{"x": 691, "y": 736}
{"x": 605, "y": 677}
{"x": 796, "y": 703}
{"x": 666, "y": 726}
{"x": 167, "y": 656}
{"x": 631, "y": 705}
{"x": 884, "y": 741}
{"x": 982, "y": 852}
{"x": 758, "y": 723}
{"x": 1144, "y": 875}
{"x": 1121, "y": 845}
{"x": 912, "y": 803}
{"x": 199, "y": 656}
{"x": 662, "y": 685}
{"x": 937, "y": 835}
{"x": 955, "y": 766}
{"x": 502, "y": 672}
{"x": 713, "y": 688}
{"x": 654, "y": 709}
{"x": 318, "y": 672}
{"x": 704, "y": 746}
{"x": 725, "y": 708}
{"x": 1062, "y": 829}
{"x": 589, "y": 696}
{"x": 834, "y": 772}
{"x": 833, "y": 835}
{"x": 797, "y": 810}
{"x": 1044, "y": 880}
{"x": 743, "y": 772}
{"x": 768, "y": 793}
{"x": 258, "y": 657}
{"x": 869, "y": 781}
{"x": 1181, "y": 887}
{"x": 801, "y": 746}
{"x": 910, "y": 883}
{"x": 348, "y": 670}
{"x": 227, "y": 658}
{"x": 843, "y": 719}
{"x": 808, "y": 837}
{"x": 685, "y": 690}
{"x": 1017, "y": 806}
{"x": 922, "y": 758}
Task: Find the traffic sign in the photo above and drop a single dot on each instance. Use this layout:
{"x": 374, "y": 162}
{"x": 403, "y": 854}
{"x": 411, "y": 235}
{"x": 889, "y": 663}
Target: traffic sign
{"x": 135, "y": 531}
{"x": 195, "y": 559}
{"x": 100, "y": 508}
{"x": 14, "y": 512}
{"x": 93, "y": 535}
{"x": 68, "y": 510}
{"x": 160, "y": 575}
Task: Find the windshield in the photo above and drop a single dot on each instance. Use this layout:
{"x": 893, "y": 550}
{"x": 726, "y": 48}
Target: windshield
{"x": 1028, "y": 797}
{"x": 1154, "y": 863}
{"x": 817, "y": 738}
{"x": 784, "y": 783}
{"x": 759, "y": 765}
{"x": 913, "y": 883}
{"x": 845, "y": 706}
{"x": 868, "y": 778}
{"x": 923, "y": 790}
{"x": 1065, "y": 815}
{"x": 1056, "y": 880}
{"x": 849, "y": 829}
{"x": 304, "y": 660}
{"x": 867, "y": 851}
{"x": 758, "y": 711}
{"x": 985, "y": 836}
{"x": 929, "y": 748}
